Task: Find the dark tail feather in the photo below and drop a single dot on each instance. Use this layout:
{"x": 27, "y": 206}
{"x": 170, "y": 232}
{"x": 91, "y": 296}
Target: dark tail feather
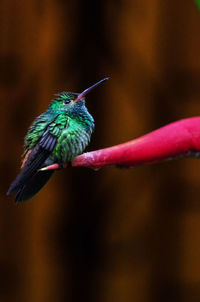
{"x": 29, "y": 181}
{"x": 31, "y": 166}
{"x": 28, "y": 190}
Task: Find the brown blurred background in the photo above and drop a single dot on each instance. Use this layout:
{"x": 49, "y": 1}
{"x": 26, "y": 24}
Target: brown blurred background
{"x": 112, "y": 235}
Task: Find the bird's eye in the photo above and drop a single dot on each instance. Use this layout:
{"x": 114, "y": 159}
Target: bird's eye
{"x": 67, "y": 102}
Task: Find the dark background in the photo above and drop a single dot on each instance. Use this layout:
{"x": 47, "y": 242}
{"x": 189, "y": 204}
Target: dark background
{"x": 112, "y": 235}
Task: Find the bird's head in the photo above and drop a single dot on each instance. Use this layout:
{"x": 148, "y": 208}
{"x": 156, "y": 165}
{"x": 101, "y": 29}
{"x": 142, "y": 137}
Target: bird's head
{"x": 71, "y": 102}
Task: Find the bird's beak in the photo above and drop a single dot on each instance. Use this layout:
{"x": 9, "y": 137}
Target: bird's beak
{"x": 83, "y": 94}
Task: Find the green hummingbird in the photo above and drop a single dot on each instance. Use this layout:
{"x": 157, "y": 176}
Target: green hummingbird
{"x": 56, "y": 136}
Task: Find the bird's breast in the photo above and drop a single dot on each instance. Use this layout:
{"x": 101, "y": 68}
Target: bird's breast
{"x": 72, "y": 142}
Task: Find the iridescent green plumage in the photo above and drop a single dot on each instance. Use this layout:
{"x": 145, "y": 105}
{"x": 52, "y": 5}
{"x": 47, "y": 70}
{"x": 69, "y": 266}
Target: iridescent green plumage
{"x": 71, "y": 124}
{"x": 56, "y": 136}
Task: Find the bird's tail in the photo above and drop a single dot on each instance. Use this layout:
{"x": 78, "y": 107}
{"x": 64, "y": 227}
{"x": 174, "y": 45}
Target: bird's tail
{"x": 30, "y": 188}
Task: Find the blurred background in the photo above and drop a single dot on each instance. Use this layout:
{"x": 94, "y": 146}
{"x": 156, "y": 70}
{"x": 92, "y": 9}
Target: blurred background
{"x": 115, "y": 234}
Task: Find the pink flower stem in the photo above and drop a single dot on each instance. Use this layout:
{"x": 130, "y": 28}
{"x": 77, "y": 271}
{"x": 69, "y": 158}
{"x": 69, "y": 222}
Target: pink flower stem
{"x": 180, "y": 138}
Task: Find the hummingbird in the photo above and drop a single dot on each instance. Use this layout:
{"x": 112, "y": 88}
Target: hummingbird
{"x": 56, "y": 136}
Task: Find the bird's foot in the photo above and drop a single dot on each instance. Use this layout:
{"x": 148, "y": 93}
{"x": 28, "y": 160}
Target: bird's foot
{"x": 54, "y": 167}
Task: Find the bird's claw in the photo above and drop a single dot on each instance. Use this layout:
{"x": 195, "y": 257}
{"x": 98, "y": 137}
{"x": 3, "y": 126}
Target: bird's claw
{"x": 54, "y": 167}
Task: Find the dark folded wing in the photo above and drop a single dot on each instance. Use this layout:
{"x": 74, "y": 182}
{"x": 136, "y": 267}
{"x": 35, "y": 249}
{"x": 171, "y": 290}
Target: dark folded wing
{"x": 35, "y": 161}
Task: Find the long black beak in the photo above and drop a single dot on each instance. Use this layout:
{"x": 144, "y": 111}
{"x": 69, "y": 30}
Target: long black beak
{"x": 83, "y": 94}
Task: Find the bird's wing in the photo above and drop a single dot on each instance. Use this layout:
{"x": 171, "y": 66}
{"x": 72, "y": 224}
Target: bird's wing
{"x": 36, "y": 131}
{"x": 39, "y": 153}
